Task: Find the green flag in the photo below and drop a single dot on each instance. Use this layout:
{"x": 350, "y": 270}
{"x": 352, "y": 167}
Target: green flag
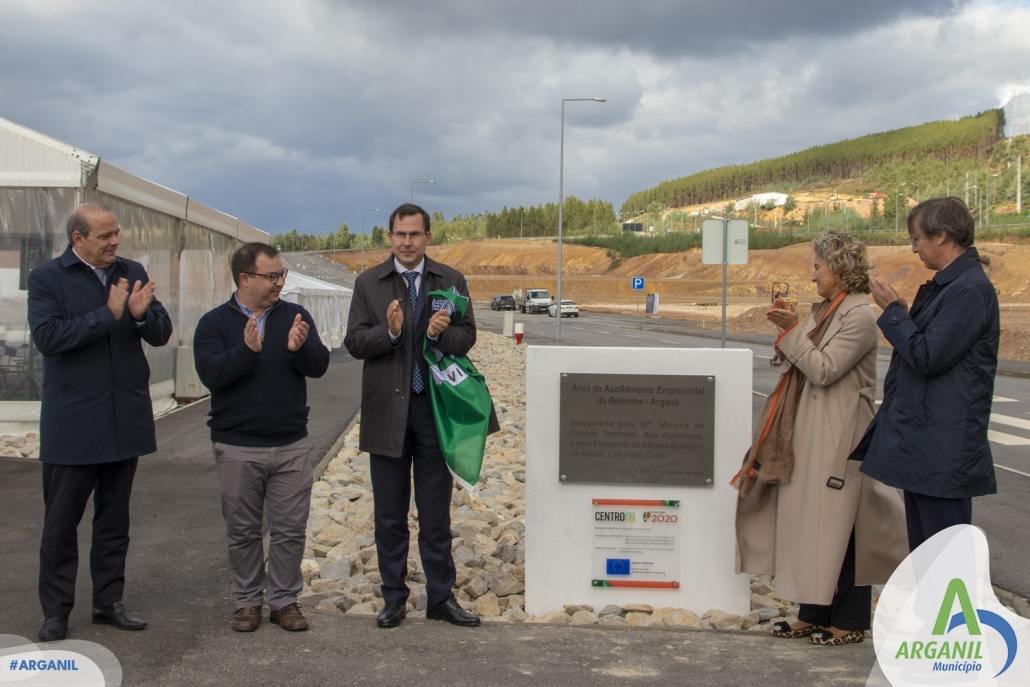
{"x": 461, "y": 401}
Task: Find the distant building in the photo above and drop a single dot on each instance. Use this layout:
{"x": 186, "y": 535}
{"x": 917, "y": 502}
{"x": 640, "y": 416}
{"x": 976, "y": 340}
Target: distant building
{"x": 1017, "y": 116}
{"x": 635, "y": 227}
{"x": 775, "y": 198}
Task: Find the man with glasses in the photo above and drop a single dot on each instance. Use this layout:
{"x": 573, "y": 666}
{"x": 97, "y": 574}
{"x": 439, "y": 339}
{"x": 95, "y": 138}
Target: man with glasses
{"x": 929, "y": 437}
{"x": 90, "y": 312}
{"x": 254, "y": 353}
{"x": 390, "y": 317}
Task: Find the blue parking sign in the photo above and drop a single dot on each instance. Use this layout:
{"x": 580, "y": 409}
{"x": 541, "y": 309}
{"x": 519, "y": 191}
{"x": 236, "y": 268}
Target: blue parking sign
{"x": 637, "y": 283}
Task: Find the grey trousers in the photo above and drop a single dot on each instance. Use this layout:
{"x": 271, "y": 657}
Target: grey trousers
{"x": 278, "y": 480}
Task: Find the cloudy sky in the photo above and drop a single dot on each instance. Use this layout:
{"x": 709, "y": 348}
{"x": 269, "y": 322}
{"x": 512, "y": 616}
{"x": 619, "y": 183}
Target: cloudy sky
{"x": 305, "y": 113}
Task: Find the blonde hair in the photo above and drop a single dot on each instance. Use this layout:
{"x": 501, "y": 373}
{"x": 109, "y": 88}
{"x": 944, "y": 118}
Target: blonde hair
{"x": 846, "y": 257}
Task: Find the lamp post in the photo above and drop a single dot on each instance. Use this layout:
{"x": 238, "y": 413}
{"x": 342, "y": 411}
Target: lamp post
{"x": 561, "y": 199}
{"x": 897, "y": 198}
{"x": 987, "y": 204}
{"x": 561, "y": 203}
{"x": 365, "y": 235}
{"x": 421, "y": 181}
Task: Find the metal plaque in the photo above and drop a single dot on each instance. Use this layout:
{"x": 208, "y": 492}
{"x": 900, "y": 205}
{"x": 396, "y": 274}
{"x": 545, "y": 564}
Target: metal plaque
{"x": 637, "y": 429}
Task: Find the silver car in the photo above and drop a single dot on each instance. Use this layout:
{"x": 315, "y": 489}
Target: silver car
{"x": 568, "y": 309}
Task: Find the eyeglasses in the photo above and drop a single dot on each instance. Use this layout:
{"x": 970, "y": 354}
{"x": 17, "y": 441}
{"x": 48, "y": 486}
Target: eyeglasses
{"x": 405, "y": 235}
{"x": 270, "y": 276}
{"x": 914, "y": 239}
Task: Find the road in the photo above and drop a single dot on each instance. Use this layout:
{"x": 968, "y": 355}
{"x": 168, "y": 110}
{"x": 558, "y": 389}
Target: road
{"x": 1001, "y": 516}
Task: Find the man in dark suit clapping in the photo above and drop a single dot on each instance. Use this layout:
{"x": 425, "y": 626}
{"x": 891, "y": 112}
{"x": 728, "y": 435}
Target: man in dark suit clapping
{"x": 90, "y": 311}
{"x": 390, "y": 317}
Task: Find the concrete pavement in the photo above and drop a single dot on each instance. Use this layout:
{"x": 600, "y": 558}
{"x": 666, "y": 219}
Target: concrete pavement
{"x": 178, "y": 579}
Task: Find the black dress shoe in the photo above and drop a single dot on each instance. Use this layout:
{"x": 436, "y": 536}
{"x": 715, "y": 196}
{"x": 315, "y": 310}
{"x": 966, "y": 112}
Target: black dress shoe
{"x": 392, "y": 614}
{"x": 450, "y": 611}
{"x": 118, "y": 616}
{"x": 53, "y": 629}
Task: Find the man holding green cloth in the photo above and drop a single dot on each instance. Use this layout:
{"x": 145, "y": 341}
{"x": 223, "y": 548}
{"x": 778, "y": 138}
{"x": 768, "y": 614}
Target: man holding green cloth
{"x": 391, "y": 317}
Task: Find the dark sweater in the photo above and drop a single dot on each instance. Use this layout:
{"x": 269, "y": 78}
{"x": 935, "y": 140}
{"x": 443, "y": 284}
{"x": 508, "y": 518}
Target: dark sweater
{"x": 257, "y": 399}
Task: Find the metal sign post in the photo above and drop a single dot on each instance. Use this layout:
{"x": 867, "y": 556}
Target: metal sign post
{"x": 724, "y": 241}
{"x": 637, "y": 284}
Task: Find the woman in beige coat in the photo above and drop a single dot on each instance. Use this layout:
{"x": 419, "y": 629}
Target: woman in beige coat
{"x": 828, "y": 531}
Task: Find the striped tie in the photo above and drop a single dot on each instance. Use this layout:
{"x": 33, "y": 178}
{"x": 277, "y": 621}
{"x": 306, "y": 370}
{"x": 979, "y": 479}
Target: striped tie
{"x": 418, "y": 385}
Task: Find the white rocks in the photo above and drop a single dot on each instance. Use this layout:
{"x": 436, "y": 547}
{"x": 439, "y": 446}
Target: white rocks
{"x": 584, "y": 618}
{"x": 487, "y": 605}
{"x": 14, "y": 446}
{"x": 340, "y": 568}
{"x": 612, "y": 621}
{"x": 721, "y": 620}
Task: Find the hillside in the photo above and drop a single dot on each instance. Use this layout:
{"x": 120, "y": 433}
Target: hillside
{"x": 691, "y": 290}
{"x": 682, "y": 275}
{"x": 944, "y": 151}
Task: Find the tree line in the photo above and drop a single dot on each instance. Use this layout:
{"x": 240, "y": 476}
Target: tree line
{"x": 943, "y": 145}
{"x": 580, "y": 218}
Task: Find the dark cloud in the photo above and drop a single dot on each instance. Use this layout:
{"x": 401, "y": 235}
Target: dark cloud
{"x": 660, "y": 27}
{"x": 303, "y": 115}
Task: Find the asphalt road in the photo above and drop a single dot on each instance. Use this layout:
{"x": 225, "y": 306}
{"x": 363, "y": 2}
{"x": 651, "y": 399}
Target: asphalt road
{"x": 177, "y": 578}
{"x": 1002, "y": 516}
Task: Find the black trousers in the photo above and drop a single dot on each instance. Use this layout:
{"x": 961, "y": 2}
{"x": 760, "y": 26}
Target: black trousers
{"x": 391, "y": 490}
{"x": 925, "y": 516}
{"x": 66, "y": 489}
{"x": 851, "y": 606}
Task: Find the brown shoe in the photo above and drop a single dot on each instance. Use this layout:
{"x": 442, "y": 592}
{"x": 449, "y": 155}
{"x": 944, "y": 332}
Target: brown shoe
{"x": 289, "y": 618}
{"x": 246, "y": 619}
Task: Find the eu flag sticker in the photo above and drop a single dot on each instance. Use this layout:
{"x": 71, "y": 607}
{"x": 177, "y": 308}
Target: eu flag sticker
{"x": 617, "y": 566}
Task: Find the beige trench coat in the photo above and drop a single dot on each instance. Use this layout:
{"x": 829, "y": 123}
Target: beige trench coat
{"x": 799, "y": 531}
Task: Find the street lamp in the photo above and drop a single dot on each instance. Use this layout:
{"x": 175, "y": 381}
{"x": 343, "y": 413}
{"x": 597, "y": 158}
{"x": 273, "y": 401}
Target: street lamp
{"x": 422, "y": 181}
{"x": 897, "y": 197}
{"x": 987, "y": 203}
{"x": 561, "y": 201}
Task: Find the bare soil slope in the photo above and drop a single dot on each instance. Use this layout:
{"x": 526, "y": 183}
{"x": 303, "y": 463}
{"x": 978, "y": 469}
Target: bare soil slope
{"x": 691, "y": 290}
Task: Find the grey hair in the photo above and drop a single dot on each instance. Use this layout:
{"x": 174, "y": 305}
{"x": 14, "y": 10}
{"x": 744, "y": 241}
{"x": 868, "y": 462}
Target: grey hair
{"x": 846, "y": 257}
{"x": 78, "y": 221}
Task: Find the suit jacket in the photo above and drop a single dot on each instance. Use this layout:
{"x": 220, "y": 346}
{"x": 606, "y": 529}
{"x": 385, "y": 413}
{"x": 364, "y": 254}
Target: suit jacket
{"x": 96, "y": 381}
{"x": 386, "y": 376}
{"x": 799, "y": 530}
{"x": 930, "y": 434}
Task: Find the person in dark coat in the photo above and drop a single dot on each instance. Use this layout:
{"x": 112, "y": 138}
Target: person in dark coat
{"x": 929, "y": 437}
{"x": 389, "y": 318}
{"x": 90, "y": 311}
{"x": 255, "y": 353}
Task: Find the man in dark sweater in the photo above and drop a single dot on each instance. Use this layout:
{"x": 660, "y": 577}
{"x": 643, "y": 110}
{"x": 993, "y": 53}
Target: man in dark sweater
{"x": 254, "y": 353}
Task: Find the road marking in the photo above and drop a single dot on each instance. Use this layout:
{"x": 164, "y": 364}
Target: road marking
{"x": 1002, "y": 399}
{"x": 632, "y": 336}
{"x": 1010, "y": 421}
{"x": 668, "y": 341}
{"x": 1006, "y": 439}
{"x": 763, "y": 357}
{"x": 1018, "y": 472}
{"x": 759, "y": 393}
{"x": 601, "y": 331}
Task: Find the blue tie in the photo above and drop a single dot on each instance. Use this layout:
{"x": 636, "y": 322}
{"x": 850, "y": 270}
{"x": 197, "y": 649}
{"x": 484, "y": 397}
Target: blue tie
{"x": 418, "y": 385}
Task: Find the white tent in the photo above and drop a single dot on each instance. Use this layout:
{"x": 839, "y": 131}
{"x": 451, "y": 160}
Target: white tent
{"x": 327, "y": 303}
{"x": 184, "y": 245}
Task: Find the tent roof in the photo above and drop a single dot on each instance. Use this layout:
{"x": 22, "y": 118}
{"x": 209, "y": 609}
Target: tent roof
{"x": 34, "y": 160}
{"x": 302, "y": 283}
